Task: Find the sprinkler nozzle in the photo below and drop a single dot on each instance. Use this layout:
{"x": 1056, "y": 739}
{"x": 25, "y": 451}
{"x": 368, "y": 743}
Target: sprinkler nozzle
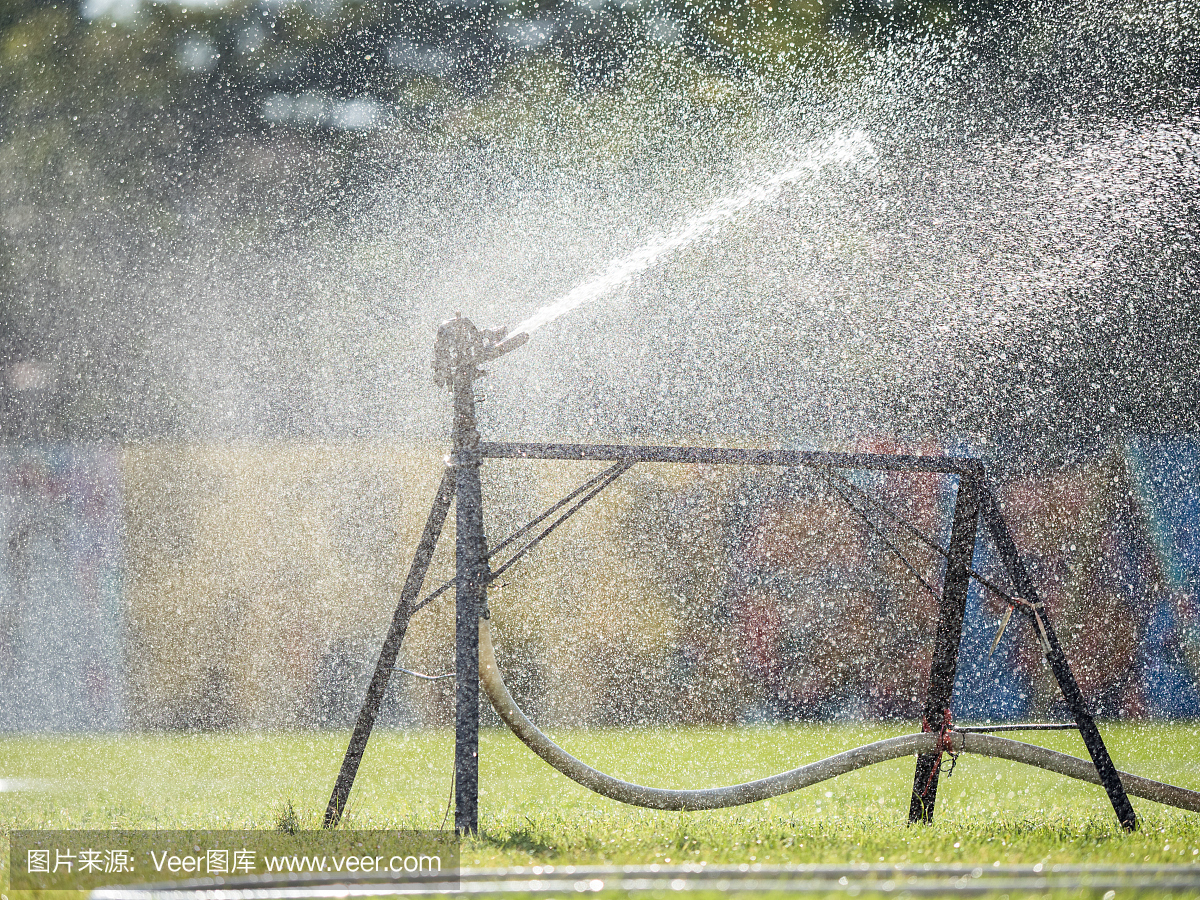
{"x": 461, "y": 345}
{"x": 505, "y": 345}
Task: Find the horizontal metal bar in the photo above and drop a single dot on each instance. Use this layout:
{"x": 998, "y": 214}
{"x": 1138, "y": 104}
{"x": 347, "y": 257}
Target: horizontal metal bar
{"x": 883, "y": 537}
{"x": 1033, "y": 726}
{"x": 954, "y": 465}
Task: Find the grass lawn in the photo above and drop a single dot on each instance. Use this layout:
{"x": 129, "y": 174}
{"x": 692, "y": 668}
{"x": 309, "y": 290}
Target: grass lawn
{"x": 989, "y": 811}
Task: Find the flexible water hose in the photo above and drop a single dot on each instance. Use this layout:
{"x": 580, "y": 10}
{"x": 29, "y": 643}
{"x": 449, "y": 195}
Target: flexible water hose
{"x": 804, "y": 776}
{"x": 1074, "y": 767}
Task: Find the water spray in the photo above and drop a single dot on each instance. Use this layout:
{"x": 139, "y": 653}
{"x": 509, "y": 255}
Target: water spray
{"x": 844, "y": 149}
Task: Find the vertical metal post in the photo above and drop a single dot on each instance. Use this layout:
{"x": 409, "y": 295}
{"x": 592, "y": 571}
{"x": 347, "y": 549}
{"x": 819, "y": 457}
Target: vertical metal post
{"x": 387, "y": 655}
{"x": 1058, "y": 664}
{"x": 471, "y": 569}
{"x": 951, "y": 610}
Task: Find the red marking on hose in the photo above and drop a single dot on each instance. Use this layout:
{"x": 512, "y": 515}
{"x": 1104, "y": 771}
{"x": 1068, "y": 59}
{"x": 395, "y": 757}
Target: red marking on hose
{"x": 945, "y": 744}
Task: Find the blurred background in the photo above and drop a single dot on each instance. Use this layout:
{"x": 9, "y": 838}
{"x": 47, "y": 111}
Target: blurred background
{"x": 228, "y": 231}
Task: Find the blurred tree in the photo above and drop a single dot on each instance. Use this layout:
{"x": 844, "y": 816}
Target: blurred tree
{"x": 84, "y": 139}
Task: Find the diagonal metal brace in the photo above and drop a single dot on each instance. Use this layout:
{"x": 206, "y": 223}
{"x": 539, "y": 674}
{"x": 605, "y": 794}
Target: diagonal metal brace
{"x": 606, "y": 478}
{"x": 391, "y": 648}
{"x": 531, "y": 524}
{"x": 1036, "y": 611}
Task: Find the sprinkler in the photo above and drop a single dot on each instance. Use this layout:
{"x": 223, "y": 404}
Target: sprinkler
{"x": 459, "y": 350}
{"x": 460, "y": 347}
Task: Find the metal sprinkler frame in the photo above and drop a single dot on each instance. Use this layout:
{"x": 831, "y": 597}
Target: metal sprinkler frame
{"x": 459, "y": 350}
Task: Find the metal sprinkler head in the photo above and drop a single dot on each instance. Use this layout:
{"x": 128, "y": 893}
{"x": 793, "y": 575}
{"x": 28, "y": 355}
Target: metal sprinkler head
{"x": 461, "y": 347}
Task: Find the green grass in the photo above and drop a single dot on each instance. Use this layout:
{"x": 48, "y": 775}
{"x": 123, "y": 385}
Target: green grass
{"x": 989, "y": 812}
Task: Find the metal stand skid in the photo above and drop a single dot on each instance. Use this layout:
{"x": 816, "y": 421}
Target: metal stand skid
{"x": 460, "y": 348}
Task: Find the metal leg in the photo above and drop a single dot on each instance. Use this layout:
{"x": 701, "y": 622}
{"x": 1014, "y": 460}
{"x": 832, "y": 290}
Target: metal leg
{"x": 1058, "y": 663}
{"x": 949, "y": 634}
{"x": 387, "y": 655}
{"x": 470, "y": 603}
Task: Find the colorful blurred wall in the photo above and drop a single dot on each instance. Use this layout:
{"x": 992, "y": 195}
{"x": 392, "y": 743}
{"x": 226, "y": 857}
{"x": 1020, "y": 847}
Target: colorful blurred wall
{"x": 249, "y": 586}
{"x": 63, "y": 612}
